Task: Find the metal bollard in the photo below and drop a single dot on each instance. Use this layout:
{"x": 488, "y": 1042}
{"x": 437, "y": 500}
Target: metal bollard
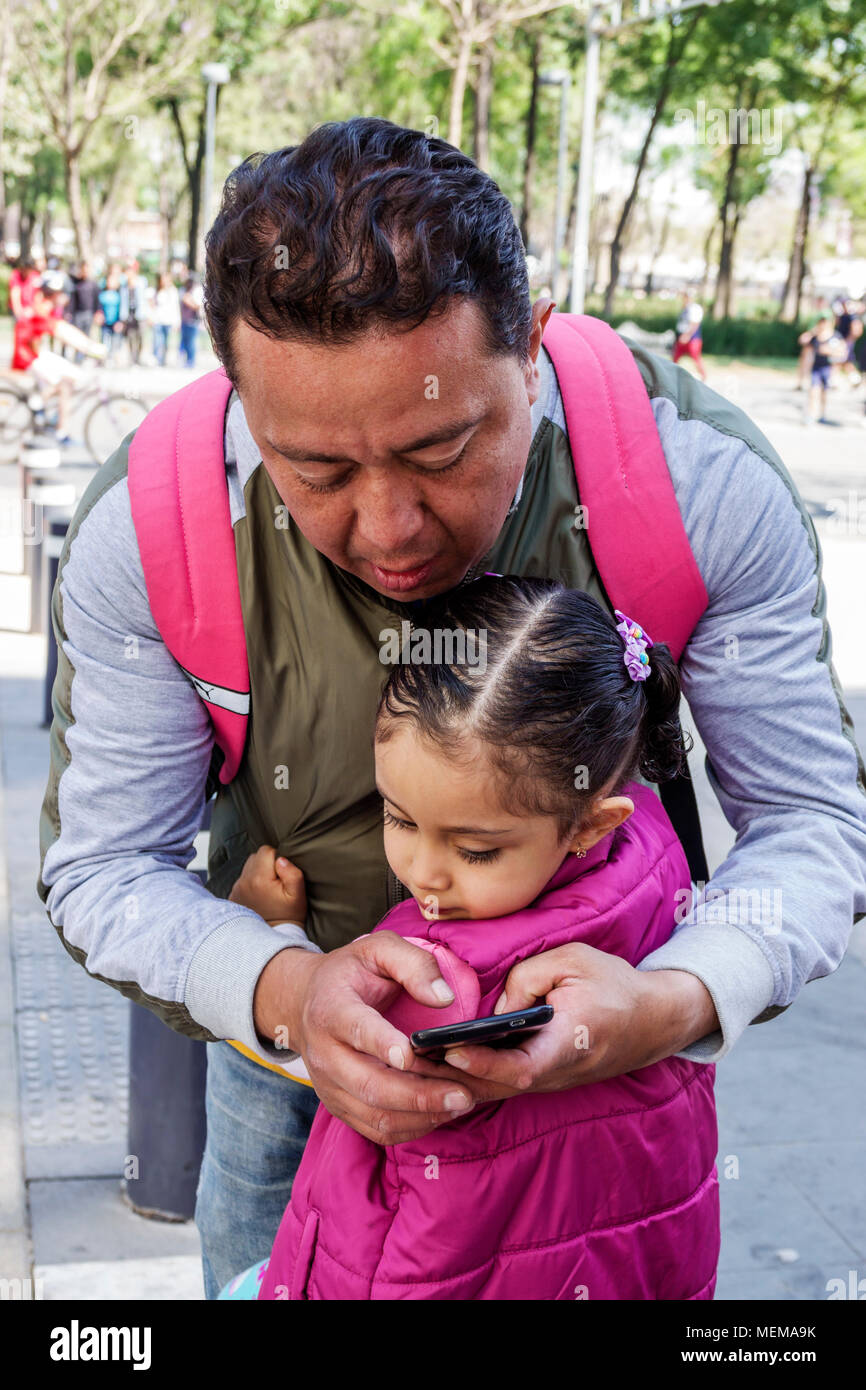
{"x": 166, "y": 1118}
{"x": 52, "y": 545}
{"x": 167, "y": 1123}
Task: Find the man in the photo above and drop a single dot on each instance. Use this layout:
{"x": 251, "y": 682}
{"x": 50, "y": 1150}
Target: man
{"x": 55, "y": 375}
{"x": 827, "y": 349}
{"x": 397, "y": 429}
{"x": 133, "y": 310}
{"x": 83, "y": 301}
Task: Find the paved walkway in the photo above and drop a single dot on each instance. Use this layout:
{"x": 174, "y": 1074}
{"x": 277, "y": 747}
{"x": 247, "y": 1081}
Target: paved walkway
{"x": 792, "y": 1121}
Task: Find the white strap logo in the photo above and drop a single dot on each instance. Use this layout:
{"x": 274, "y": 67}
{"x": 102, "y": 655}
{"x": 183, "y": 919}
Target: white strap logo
{"x": 237, "y": 701}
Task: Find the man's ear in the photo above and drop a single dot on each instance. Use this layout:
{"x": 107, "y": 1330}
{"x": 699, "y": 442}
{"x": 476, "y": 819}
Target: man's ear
{"x": 605, "y": 815}
{"x": 541, "y": 311}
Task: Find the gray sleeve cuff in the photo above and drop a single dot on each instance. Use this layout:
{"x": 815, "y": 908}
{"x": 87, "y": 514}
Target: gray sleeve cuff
{"x": 734, "y": 970}
{"x": 224, "y": 972}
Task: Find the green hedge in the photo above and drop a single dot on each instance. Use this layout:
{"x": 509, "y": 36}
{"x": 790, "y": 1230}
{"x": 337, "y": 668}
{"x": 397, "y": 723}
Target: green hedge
{"x": 722, "y": 337}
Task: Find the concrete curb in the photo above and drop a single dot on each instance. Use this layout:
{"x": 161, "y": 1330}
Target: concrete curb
{"x": 15, "y": 1243}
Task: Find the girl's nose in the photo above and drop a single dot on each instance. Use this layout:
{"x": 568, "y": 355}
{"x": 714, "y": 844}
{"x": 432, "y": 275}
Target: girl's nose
{"x": 429, "y": 871}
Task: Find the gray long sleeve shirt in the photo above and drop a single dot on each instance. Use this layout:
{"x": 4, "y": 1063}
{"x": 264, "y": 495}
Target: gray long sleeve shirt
{"x": 132, "y": 744}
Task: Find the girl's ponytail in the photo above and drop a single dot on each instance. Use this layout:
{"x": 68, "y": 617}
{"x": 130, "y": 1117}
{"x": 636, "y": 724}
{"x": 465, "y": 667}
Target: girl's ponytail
{"x": 664, "y": 745}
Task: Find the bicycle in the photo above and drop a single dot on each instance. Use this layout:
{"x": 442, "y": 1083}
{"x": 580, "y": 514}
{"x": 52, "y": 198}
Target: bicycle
{"x": 25, "y": 414}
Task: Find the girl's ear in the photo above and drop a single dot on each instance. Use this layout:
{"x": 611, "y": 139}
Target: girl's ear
{"x": 606, "y": 814}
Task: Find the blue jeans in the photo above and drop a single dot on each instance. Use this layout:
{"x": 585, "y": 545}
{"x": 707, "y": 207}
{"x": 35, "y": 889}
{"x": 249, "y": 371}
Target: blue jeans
{"x": 257, "y": 1125}
{"x": 160, "y": 342}
{"x": 188, "y": 342}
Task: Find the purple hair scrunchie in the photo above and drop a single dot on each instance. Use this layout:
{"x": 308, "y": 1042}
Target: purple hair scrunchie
{"x": 636, "y": 641}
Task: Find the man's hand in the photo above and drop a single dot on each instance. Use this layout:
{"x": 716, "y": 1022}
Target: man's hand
{"x": 272, "y": 886}
{"x": 328, "y": 1008}
{"x": 608, "y": 1019}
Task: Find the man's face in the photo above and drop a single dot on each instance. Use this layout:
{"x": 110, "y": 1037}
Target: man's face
{"x": 397, "y": 455}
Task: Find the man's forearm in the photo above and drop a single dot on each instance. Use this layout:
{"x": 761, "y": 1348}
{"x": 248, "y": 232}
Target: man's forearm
{"x": 278, "y": 1000}
{"x": 732, "y": 977}
{"x": 681, "y": 1008}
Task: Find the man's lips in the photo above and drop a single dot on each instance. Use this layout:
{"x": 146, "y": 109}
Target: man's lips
{"x": 400, "y": 581}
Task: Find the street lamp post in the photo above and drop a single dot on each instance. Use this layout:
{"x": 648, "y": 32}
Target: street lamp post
{"x": 561, "y": 79}
{"x": 215, "y": 75}
{"x": 605, "y": 20}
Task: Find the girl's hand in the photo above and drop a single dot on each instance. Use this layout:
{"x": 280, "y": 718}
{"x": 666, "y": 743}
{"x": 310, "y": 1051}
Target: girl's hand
{"x": 272, "y": 886}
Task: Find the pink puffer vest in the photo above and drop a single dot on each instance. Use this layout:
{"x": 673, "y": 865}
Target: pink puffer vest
{"x": 606, "y": 1191}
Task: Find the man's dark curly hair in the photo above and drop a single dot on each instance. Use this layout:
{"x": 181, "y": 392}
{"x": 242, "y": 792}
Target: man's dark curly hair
{"x": 364, "y": 224}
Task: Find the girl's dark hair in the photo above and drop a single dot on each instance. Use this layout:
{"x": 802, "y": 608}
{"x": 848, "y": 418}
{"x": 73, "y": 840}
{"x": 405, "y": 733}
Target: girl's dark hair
{"x": 559, "y": 715}
{"x": 364, "y": 223}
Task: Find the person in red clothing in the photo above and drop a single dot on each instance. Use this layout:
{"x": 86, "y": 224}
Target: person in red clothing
{"x": 44, "y": 320}
{"x": 23, "y": 283}
{"x": 689, "y": 341}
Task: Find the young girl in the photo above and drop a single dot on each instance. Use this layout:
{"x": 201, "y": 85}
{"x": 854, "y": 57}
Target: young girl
{"x": 512, "y": 817}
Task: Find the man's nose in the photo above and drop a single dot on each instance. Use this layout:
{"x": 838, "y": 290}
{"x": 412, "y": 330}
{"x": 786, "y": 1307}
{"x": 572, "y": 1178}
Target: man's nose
{"x": 390, "y": 516}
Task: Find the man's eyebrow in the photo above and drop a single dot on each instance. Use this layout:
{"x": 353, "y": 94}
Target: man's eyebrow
{"x": 439, "y": 436}
{"x": 449, "y": 829}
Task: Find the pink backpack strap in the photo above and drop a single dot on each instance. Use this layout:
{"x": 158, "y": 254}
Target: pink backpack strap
{"x": 634, "y": 525}
{"x": 180, "y": 510}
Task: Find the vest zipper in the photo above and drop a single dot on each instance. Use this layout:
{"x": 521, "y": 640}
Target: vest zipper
{"x": 396, "y": 892}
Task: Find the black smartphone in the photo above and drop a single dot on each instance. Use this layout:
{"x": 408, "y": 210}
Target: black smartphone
{"x": 496, "y": 1030}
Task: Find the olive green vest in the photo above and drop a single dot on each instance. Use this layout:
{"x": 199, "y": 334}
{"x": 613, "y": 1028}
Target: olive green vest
{"x": 306, "y": 782}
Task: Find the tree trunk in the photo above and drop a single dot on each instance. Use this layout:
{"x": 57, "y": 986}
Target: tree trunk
{"x": 572, "y": 219}
{"x": 531, "y": 132}
{"x": 76, "y": 209}
{"x": 483, "y": 98}
{"x": 458, "y": 91}
{"x": 708, "y": 249}
{"x": 102, "y": 215}
{"x": 729, "y": 305}
{"x": 674, "y": 54}
{"x": 789, "y": 311}
{"x": 25, "y": 231}
{"x": 722, "y": 299}
{"x": 657, "y": 249}
{"x": 194, "y": 170}
{"x": 5, "y": 65}
{"x": 597, "y": 222}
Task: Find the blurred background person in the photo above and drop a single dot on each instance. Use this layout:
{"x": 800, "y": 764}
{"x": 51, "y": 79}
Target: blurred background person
{"x": 690, "y": 338}
{"x": 165, "y": 315}
{"x": 83, "y": 301}
{"x": 22, "y": 288}
{"x": 848, "y": 328}
{"x": 191, "y": 302}
{"x": 55, "y": 376}
{"x": 133, "y": 307}
{"x": 109, "y": 313}
{"x": 828, "y": 349}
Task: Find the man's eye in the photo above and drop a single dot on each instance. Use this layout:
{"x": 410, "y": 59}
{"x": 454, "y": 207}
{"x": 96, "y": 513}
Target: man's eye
{"x": 444, "y": 467}
{"x": 341, "y": 482}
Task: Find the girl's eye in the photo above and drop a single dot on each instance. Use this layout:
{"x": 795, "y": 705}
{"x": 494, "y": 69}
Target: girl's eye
{"x": 391, "y": 819}
{"x": 322, "y": 487}
{"x": 478, "y": 856}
